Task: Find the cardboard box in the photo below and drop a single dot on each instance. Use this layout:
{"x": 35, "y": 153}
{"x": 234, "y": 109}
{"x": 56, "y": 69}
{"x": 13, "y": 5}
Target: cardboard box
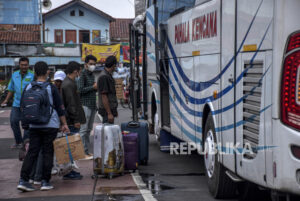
{"x": 61, "y": 149}
{"x": 119, "y": 81}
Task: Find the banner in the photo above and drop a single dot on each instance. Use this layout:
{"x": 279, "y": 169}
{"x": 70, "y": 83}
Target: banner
{"x": 96, "y": 36}
{"x": 101, "y": 52}
{"x": 126, "y": 54}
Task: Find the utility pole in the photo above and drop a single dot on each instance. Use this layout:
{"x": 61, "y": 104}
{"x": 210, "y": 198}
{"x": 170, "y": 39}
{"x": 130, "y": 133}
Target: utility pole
{"x": 41, "y": 20}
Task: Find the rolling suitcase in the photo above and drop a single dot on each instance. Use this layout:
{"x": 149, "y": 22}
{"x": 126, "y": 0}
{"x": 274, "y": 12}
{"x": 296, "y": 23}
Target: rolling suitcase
{"x": 142, "y": 129}
{"x": 108, "y": 150}
{"x": 131, "y": 150}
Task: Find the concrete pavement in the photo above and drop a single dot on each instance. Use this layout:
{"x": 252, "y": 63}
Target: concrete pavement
{"x": 120, "y": 188}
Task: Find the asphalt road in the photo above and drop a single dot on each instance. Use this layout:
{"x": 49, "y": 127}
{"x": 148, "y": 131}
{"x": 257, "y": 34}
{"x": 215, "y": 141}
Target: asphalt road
{"x": 168, "y": 177}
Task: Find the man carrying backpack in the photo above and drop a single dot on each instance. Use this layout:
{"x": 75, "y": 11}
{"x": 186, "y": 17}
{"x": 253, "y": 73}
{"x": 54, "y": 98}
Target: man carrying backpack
{"x": 43, "y": 111}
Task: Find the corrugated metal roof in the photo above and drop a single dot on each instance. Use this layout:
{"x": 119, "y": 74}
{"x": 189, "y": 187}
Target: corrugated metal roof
{"x": 119, "y": 29}
{"x": 19, "y": 33}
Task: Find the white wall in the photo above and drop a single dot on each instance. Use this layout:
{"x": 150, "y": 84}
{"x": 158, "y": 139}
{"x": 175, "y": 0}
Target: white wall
{"x": 63, "y": 20}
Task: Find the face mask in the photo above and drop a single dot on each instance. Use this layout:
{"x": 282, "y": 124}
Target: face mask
{"x": 91, "y": 68}
{"x": 77, "y": 77}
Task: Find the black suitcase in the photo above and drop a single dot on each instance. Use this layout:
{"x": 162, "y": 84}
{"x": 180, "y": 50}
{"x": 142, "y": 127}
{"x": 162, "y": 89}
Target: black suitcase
{"x": 142, "y": 129}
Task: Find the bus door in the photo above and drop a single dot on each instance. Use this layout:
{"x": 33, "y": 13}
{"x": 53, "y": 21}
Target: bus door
{"x": 152, "y": 63}
{"x": 188, "y": 107}
{"x": 164, "y": 79}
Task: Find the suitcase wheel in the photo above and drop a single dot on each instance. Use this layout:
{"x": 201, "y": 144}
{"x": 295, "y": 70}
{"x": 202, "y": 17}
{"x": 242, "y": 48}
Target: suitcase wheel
{"x": 110, "y": 176}
{"x": 145, "y": 162}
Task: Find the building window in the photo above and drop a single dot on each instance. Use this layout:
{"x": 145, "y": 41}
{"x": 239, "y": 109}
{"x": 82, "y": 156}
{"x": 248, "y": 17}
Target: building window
{"x": 84, "y": 36}
{"x": 96, "y": 36}
{"x": 81, "y": 13}
{"x": 71, "y": 36}
{"x": 58, "y": 36}
{"x": 72, "y": 13}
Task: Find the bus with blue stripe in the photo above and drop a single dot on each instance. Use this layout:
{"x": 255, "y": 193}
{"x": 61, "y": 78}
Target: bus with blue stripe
{"x": 227, "y": 72}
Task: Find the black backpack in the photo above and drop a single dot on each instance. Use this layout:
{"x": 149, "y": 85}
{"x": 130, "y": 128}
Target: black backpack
{"x": 35, "y": 104}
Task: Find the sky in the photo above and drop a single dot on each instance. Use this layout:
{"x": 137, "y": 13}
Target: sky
{"x": 115, "y": 8}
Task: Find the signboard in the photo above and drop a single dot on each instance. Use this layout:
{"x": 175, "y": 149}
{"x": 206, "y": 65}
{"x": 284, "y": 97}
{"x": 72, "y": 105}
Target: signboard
{"x": 101, "y": 52}
{"x": 126, "y": 54}
{"x": 96, "y": 36}
{"x": 19, "y": 12}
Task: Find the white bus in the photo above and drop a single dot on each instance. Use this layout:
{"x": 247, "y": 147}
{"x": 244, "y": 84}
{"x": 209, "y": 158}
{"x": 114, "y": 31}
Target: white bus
{"x": 226, "y": 71}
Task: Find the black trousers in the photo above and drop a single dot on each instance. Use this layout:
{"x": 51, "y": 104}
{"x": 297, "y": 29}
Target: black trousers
{"x": 40, "y": 139}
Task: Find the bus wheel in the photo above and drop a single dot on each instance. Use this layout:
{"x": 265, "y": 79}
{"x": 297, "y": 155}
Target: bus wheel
{"x": 277, "y": 196}
{"x": 156, "y": 127}
{"x": 219, "y": 184}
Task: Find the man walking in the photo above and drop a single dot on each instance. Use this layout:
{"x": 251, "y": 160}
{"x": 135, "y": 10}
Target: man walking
{"x": 59, "y": 77}
{"x": 74, "y": 112}
{"x": 87, "y": 89}
{"x": 108, "y": 102}
{"x": 41, "y": 135}
{"x": 16, "y": 85}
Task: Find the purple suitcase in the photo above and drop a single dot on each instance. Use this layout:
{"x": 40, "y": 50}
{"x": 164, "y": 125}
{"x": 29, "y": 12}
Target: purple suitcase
{"x": 131, "y": 150}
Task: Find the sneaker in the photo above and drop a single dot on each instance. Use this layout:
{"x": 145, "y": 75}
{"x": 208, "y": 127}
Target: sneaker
{"x": 74, "y": 172}
{"x": 88, "y": 157}
{"x": 46, "y": 186}
{"x": 25, "y": 186}
{"x": 54, "y": 171}
{"x": 16, "y": 146}
{"x": 72, "y": 176}
{"x": 37, "y": 182}
{"x": 31, "y": 181}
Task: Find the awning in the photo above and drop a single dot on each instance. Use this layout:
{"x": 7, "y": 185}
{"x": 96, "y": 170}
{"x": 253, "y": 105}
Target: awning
{"x": 32, "y": 60}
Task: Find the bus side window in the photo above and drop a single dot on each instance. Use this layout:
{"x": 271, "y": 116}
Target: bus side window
{"x": 149, "y": 3}
{"x": 159, "y": 4}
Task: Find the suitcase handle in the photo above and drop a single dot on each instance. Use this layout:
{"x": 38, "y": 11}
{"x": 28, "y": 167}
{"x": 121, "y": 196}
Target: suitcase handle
{"x": 133, "y": 124}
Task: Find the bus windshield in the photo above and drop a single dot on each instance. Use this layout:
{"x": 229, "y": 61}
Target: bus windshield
{"x": 167, "y": 7}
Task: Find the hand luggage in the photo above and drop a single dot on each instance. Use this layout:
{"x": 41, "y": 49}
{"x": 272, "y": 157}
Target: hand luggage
{"x": 142, "y": 129}
{"x": 108, "y": 150}
{"x": 131, "y": 150}
{"x": 64, "y": 168}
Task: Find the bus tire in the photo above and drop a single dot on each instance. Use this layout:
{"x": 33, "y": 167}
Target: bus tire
{"x": 156, "y": 127}
{"x": 219, "y": 184}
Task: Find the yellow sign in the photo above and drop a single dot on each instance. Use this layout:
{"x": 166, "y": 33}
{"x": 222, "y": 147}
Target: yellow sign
{"x": 101, "y": 52}
{"x": 249, "y": 48}
{"x": 196, "y": 53}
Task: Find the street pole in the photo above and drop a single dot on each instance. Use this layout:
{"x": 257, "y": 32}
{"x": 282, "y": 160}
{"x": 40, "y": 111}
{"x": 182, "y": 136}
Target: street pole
{"x": 145, "y": 97}
{"x": 132, "y": 74}
{"x": 41, "y": 21}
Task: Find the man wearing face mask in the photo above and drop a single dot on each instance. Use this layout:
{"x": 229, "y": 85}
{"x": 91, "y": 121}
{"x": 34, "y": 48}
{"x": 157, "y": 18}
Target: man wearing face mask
{"x": 88, "y": 88}
{"x": 74, "y": 112}
{"x": 107, "y": 100}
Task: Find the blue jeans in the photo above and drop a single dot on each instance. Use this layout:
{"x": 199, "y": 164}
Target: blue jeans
{"x": 85, "y": 129}
{"x": 15, "y": 118}
{"x": 73, "y": 130}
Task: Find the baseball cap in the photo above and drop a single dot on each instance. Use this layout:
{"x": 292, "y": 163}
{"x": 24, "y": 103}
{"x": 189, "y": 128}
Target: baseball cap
{"x": 59, "y": 75}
